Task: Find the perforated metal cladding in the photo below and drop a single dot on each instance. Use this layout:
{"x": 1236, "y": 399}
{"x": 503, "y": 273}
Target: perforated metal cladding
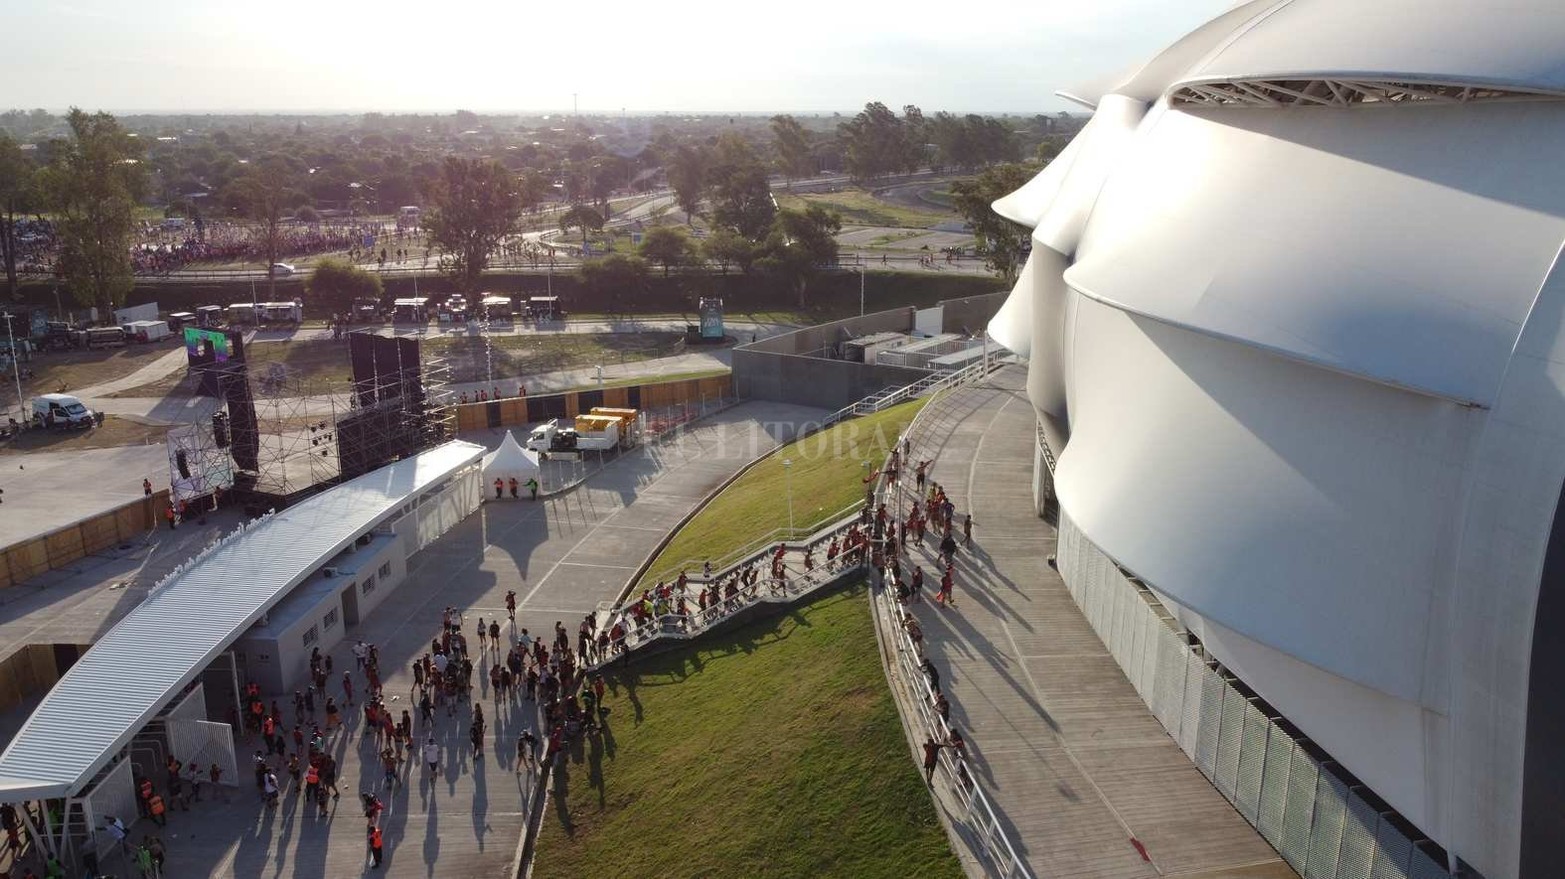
{"x": 1393, "y": 853}
{"x": 1252, "y": 762}
{"x": 1356, "y": 860}
{"x": 1274, "y": 786}
{"x": 1422, "y": 866}
{"x": 1331, "y": 797}
{"x": 1212, "y": 688}
{"x": 1299, "y": 817}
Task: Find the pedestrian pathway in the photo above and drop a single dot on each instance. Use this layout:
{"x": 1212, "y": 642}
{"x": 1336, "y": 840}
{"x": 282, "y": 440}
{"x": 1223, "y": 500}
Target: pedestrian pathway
{"x": 1075, "y": 765}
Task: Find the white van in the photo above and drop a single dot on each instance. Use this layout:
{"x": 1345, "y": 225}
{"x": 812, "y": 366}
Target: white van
{"x": 60, "y": 410}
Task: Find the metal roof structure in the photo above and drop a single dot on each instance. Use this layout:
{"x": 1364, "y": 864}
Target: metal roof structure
{"x": 133, "y": 671}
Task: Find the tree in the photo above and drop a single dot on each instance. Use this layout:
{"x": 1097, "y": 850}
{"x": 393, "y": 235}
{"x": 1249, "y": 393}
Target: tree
{"x": 583, "y": 217}
{"x": 531, "y": 187}
{"x": 877, "y": 142}
{"x": 1003, "y": 243}
{"x": 267, "y": 196}
{"x": 474, "y": 204}
{"x": 794, "y": 158}
{"x": 336, "y": 284}
{"x": 741, "y": 196}
{"x": 668, "y": 246}
{"x": 92, "y": 185}
{"x": 687, "y": 176}
{"x": 616, "y": 277}
{"x": 727, "y": 247}
{"x": 606, "y": 174}
{"x": 17, "y": 193}
{"x": 800, "y": 244}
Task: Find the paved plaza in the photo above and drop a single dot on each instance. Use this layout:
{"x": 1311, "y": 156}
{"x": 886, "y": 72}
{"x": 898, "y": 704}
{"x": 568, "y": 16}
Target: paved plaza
{"x": 562, "y": 556}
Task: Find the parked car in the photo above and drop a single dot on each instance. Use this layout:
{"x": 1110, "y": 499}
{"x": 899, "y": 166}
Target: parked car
{"x": 283, "y": 269}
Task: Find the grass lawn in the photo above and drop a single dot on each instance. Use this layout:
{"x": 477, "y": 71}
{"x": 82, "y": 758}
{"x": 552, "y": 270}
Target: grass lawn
{"x": 861, "y": 208}
{"x": 828, "y": 473}
{"x": 773, "y": 750}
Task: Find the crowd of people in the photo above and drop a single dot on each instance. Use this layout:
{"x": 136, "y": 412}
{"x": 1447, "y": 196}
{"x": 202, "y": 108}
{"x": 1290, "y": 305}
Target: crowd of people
{"x": 160, "y": 248}
{"x": 930, "y": 520}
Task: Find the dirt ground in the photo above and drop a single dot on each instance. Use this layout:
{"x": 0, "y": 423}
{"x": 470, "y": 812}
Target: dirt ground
{"x": 319, "y": 365}
{"x": 65, "y": 371}
{"x": 115, "y": 432}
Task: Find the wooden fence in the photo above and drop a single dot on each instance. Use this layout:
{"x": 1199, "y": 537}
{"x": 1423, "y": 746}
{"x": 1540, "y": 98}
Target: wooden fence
{"x": 514, "y": 411}
{"x": 23, "y": 561}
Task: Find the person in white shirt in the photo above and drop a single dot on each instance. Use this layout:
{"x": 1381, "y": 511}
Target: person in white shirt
{"x": 432, "y": 755}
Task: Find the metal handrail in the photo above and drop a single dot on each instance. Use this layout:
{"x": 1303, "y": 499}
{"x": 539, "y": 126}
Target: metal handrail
{"x": 995, "y": 845}
{"x": 688, "y": 625}
{"x": 737, "y": 557}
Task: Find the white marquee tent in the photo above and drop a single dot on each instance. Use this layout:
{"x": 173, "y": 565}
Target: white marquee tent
{"x": 511, "y": 461}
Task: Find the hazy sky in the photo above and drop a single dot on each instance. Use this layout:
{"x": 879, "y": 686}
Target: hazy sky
{"x": 680, "y": 55}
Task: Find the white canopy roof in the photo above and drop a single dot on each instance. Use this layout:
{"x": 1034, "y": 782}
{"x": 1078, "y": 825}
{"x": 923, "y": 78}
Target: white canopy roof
{"x": 510, "y": 461}
{"x": 162, "y": 645}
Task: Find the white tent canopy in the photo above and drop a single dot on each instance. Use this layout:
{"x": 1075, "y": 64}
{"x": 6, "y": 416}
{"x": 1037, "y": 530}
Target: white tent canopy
{"x": 510, "y": 461}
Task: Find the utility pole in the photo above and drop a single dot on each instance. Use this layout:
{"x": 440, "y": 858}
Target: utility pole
{"x": 861, "y": 285}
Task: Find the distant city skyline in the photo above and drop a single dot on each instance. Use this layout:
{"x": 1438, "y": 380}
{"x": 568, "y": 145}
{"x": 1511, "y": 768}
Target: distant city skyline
{"x": 184, "y": 56}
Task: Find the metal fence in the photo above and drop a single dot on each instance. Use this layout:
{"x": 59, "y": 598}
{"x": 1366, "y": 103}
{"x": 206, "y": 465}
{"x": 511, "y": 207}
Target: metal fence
{"x": 1325, "y": 825}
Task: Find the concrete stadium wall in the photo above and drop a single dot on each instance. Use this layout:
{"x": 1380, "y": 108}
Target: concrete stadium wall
{"x": 789, "y": 368}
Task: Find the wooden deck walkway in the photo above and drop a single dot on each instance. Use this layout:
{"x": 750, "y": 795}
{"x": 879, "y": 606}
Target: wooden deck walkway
{"x": 1072, "y": 759}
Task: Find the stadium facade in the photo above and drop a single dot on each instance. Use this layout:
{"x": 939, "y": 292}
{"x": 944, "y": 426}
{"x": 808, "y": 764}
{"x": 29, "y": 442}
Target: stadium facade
{"x": 1295, "y": 320}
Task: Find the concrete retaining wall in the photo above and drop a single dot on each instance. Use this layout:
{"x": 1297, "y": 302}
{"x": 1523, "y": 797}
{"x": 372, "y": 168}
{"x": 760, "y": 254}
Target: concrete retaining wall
{"x": 792, "y": 368}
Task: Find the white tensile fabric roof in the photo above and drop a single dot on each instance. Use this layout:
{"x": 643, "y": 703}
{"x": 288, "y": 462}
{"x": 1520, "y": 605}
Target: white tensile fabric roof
{"x": 510, "y": 461}
{"x": 133, "y": 671}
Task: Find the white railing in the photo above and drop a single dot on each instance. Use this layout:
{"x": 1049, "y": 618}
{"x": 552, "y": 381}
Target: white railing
{"x": 930, "y": 384}
{"x": 796, "y": 582}
{"x": 726, "y": 562}
{"x": 988, "y": 837}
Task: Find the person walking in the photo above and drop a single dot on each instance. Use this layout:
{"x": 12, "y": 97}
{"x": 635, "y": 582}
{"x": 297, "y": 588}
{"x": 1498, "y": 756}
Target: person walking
{"x": 532, "y": 486}
{"x": 526, "y": 746}
{"x": 169, "y": 515}
{"x": 514, "y": 486}
{"x": 432, "y": 755}
{"x": 347, "y": 687}
{"x": 376, "y": 847}
{"x": 967, "y": 530}
{"x": 499, "y": 488}
{"x": 931, "y": 757}
{"x": 933, "y": 674}
{"x": 116, "y": 829}
{"x": 510, "y": 603}
{"x": 146, "y": 491}
{"x": 156, "y": 809}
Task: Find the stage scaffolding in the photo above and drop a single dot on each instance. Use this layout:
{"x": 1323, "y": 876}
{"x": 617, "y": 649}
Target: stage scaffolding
{"x": 298, "y": 432}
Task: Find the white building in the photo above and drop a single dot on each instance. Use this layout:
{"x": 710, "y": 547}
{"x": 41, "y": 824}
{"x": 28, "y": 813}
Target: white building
{"x": 1297, "y": 347}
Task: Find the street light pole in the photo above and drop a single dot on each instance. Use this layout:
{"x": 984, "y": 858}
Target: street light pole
{"x": 861, "y": 285}
{"x": 788, "y": 472}
{"x": 16, "y": 366}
